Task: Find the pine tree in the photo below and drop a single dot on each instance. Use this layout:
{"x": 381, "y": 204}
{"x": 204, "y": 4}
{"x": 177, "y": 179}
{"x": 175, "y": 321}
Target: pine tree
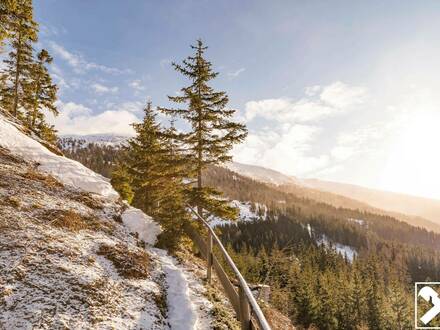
{"x": 213, "y": 132}
{"x": 41, "y": 92}
{"x": 172, "y": 212}
{"x": 23, "y": 33}
{"x": 144, "y": 161}
{"x": 120, "y": 180}
{"x": 7, "y": 11}
{"x": 399, "y": 301}
{"x": 155, "y": 170}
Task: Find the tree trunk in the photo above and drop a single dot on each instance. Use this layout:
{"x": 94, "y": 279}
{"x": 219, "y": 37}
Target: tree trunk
{"x": 17, "y": 77}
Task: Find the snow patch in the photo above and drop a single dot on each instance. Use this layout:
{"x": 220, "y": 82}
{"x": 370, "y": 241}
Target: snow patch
{"x": 66, "y": 170}
{"x": 246, "y": 214}
{"x": 187, "y": 308}
{"x": 142, "y": 224}
{"x": 344, "y": 250}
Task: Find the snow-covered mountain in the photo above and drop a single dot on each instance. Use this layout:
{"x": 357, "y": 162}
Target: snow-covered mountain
{"x": 262, "y": 174}
{"x": 82, "y": 141}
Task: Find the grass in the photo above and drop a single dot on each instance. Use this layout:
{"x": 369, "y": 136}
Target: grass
{"x": 88, "y": 200}
{"x": 11, "y": 201}
{"x": 48, "y": 180}
{"x": 128, "y": 263}
{"x": 74, "y": 221}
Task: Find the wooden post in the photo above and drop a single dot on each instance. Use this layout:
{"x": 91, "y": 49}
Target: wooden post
{"x": 209, "y": 257}
{"x": 245, "y": 315}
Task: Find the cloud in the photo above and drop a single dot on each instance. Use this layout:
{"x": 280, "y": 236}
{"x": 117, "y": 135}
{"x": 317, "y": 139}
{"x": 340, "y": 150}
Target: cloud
{"x": 137, "y": 85}
{"x": 334, "y": 99}
{"x": 76, "y": 118}
{"x": 288, "y": 151}
{"x": 80, "y": 64}
{"x": 165, "y": 62}
{"x": 236, "y": 73}
{"x": 340, "y": 95}
{"x": 284, "y": 132}
{"x": 101, "y": 89}
{"x": 312, "y": 90}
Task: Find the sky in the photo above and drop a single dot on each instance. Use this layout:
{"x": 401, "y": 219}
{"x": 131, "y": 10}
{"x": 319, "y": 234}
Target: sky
{"x": 338, "y": 90}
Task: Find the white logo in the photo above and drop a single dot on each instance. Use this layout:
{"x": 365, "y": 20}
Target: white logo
{"x": 432, "y": 298}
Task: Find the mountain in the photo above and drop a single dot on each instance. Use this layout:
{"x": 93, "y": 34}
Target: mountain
{"x": 396, "y": 202}
{"x": 417, "y": 211}
{"x": 262, "y": 174}
{"x": 82, "y": 141}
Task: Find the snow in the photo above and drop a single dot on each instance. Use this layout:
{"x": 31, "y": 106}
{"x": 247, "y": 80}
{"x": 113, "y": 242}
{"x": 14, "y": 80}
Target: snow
{"x": 360, "y": 222}
{"x": 187, "y": 309}
{"x": 142, "y": 224}
{"x": 73, "y": 173}
{"x": 82, "y": 141}
{"x": 65, "y": 170}
{"x": 262, "y": 174}
{"x": 245, "y": 214}
{"x": 344, "y": 250}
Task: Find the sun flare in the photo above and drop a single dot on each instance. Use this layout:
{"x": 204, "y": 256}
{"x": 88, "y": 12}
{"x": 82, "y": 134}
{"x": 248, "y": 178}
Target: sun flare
{"x": 413, "y": 162}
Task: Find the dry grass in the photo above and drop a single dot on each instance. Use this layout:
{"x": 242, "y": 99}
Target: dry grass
{"x": 6, "y": 157}
{"x": 11, "y": 201}
{"x": 88, "y": 200}
{"x": 48, "y": 180}
{"x": 129, "y": 263}
{"x": 74, "y": 221}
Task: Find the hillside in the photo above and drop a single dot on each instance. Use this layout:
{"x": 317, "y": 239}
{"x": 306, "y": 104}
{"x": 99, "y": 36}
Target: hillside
{"x": 416, "y": 211}
{"x": 75, "y": 256}
{"x": 411, "y": 205}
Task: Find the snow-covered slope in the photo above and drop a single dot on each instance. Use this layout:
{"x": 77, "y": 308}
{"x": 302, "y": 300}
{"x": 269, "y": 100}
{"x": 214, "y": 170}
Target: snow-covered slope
{"x": 82, "y": 141}
{"x": 262, "y": 174}
{"x": 68, "y": 259}
{"x": 246, "y": 213}
{"x": 66, "y": 170}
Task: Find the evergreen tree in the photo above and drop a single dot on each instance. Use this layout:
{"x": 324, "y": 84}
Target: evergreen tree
{"x": 154, "y": 168}
{"x": 172, "y": 213}
{"x": 7, "y": 10}
{"x": 213, "y": 132}
{"x": 22, "y": 34}
{"x": 42, "y": 93}
{"x": 400, "y": 312}
{"x": 121, "y": 180}
{"x": 145, "y": 163}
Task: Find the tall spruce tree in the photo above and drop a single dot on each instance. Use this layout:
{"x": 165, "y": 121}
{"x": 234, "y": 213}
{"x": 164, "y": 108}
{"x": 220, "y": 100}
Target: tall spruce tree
{"x": 144, "y": 161}
{"x": 7, "y": 11}
{"x": 213, "y": 132}
{"x": 41, "y": 93}
{"x": 151, "y": 173}
{"x": 22, "y": 34}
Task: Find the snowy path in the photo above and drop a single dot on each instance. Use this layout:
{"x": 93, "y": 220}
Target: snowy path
{"x": 188, "y": 308}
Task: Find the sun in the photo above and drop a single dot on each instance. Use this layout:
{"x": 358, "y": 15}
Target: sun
{"x": 413, "y": 160}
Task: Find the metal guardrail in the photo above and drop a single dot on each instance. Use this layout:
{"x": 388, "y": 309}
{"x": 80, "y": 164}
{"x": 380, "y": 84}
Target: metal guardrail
{"x": 246, "y": 307}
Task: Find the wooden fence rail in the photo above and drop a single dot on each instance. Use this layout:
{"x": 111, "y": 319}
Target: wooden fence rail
{"x": 244, "y": 303}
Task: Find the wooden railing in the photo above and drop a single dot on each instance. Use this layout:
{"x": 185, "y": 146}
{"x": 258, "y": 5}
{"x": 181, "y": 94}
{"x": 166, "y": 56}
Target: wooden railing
{"x": 244, "y": 303}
